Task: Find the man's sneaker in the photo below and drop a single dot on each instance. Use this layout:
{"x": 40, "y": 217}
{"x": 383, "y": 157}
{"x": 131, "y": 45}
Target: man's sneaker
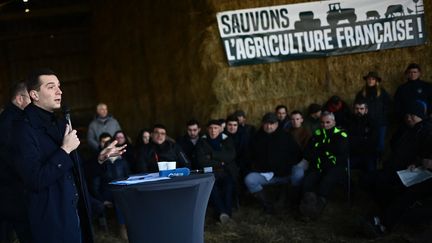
{"x": 224, "y": 218}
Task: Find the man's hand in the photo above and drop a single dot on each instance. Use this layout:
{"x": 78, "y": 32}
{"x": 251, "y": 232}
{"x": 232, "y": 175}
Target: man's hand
{"x": 411, "y": 167}
{"x": 70, "y": 140}
{"x": 427, "y": 163}
{"x": 111, "y": 151}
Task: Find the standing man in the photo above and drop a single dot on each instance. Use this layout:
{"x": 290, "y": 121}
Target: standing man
{"x": 412, "y": 90}
{"x": 13, "y": 207}
{"x": 102, "y": 123}
{"x": 42, "y": 146}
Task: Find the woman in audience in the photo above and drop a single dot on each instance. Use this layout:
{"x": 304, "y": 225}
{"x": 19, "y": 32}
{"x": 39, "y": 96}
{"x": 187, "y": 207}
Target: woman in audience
{"x": 378, "y": 103}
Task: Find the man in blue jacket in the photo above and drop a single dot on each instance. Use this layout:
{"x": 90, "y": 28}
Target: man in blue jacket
{"x": 42, "y": 151}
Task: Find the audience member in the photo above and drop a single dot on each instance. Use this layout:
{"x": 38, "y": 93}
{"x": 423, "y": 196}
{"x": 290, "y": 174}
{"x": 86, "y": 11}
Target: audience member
{"x": 312, "y": 121}
{"x": 189, "y": 141}
{"x": 273, "y": 154}
{"x": 217, "y": 150}
{"x": 160, "y": 149}
{"x": 363, "y": 138}
{"x": 339, "y": 109}
{"x": 113, "y": 168}
{"x": 281, "y": 112}
{"x": 241, "y": 143}
{"x": 413, "y": 89}
{"x": 248, "y": 129}
{"x": 103, "y": 122}
{"x": 378, "y": 105}
{"x": 328, "y": 154}
{"x": 297, "y": 130}
{"x": 129, "y": 155}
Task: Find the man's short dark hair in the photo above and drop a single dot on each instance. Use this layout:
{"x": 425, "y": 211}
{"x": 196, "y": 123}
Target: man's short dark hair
{"x": 214, "y": 122}
{"x": 413, "y": 66}
{"x": 360, "y": 101}
{"x": 160, "y": 126}
{"x": 314, "y": 108}
{"x": 33, "y": 78}
{"x": 192, "y": 122}
{"x": 232, "y": 118}
{"x": 295, "y": 112}
{"x": 280, "y": 107}
{"x": 104, "y": 135}
{"x": 16, "y": 88}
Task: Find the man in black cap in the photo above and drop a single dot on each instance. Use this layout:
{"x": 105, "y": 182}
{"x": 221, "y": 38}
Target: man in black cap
{"x": 413, "y": 89}
{"x": 273, "y": 154}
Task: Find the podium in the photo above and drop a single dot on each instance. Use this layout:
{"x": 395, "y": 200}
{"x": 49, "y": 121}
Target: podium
{"x": 166, "y": 211}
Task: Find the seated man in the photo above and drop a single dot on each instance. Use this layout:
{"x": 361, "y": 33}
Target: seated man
{"x": 216, "y": 150}
{"x": 189, "y": 141}
{"x": 298, "y": 131}
{"x": 160, "y": 149}
{"x": 328, "y": 154}
{"x": 312, "y": 121}
{"x": 273, "y": 154}
{"x": 241, "y": 143}
{"x": 284, "y": 120}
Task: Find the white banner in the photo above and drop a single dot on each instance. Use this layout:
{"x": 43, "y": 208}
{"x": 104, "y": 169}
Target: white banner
{"x": 318, "y": 29}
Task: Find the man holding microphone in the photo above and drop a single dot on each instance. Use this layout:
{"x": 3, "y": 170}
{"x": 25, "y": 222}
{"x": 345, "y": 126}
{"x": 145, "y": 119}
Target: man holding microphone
{"x": 43, "y": 145}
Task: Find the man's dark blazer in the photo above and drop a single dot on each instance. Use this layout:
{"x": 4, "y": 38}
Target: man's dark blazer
{"x": 48, "y": 174}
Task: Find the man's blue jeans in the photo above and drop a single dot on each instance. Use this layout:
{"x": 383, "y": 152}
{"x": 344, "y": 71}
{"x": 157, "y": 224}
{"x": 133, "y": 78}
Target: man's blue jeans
{"x": 255, "y": 181}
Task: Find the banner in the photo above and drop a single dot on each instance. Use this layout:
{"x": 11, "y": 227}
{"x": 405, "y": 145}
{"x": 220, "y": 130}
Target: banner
{"x": 319, "y": 29}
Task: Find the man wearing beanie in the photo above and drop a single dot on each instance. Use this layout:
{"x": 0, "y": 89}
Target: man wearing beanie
{"x": 410, "y": 149}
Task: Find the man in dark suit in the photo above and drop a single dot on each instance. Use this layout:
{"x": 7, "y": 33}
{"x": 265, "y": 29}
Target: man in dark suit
{"x": 12, "y": 201}
{"x": 42, "y": 152}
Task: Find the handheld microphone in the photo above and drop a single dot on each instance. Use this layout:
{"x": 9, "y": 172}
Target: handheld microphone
{"x": 66, "y": 112}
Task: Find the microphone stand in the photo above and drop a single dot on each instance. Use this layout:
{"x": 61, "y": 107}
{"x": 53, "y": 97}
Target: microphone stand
{"x": 85, "y": 220}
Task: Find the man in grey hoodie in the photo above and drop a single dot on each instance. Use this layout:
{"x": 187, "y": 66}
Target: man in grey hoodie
{"x": 103, "y": 122}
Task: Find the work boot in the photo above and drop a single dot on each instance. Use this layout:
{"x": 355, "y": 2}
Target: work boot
{"x": 103, "y": 223}
{"x": 262, "y": 198}
{"x": 321, "y": 203}
{"x": 123, "y": 232}
{"x": 282, "y": 197}
{"x": 308, "y": 205}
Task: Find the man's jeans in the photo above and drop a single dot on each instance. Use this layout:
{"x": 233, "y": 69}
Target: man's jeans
{"x": 255, "y": 180}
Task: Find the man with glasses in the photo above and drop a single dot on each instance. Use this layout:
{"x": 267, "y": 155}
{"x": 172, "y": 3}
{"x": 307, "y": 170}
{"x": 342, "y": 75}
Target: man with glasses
{"x": 160, "y": 149}
{"x": 12, "y": 201}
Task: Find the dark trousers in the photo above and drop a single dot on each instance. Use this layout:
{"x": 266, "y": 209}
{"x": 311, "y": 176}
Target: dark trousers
{"x": 221, "y": 196}
{"x": 404, "y": 200}
{"x": 323, "y": 182}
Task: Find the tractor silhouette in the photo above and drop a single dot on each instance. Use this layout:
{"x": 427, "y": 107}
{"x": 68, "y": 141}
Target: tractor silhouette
{"x": 336, "y": 14}
{"x": 307, "y": 21}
